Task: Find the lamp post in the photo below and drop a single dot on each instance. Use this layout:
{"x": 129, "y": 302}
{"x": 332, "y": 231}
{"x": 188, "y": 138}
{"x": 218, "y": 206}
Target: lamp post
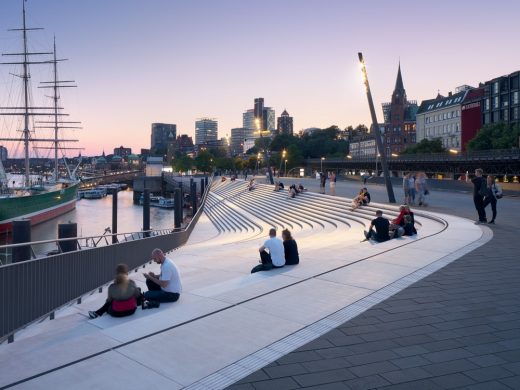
{"x": 257, "y": 123}
{"x": 375, "y": 126}
{"x": 285, "y": 169}
{"x": 321, "y": 164}
{"x": 281, "y": 159}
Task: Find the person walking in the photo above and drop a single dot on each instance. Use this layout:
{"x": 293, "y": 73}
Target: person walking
{"x": 421, "y": 188}
{"x": 406, "y": 188}
{"x": 493, "y": 192}
{"x": 411, "y": 188}
{"x": 323, "y": 179}
{"x": 479, "y": 191}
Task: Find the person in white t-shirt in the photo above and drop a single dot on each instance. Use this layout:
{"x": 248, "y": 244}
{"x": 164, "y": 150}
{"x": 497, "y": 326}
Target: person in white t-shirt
{"x": 165, "y": 287}
{"x": 275, "y": 258}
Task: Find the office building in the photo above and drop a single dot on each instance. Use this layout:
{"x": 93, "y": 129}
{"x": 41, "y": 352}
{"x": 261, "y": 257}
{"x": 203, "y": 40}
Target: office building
{"x": 162, "y": 135}
{"x": 122, "y": 152}
{"x": 399, "y": 116}
{"x": 285, "y": 123}
{"x": 3, "y": 153}
{"x": 206, "y": 131}
{"x": 260, "y": 118}
{"x": 237, "y": 141}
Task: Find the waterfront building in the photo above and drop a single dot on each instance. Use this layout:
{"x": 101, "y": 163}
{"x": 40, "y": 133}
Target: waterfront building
{"x": 362, "y": 142}
{"x": 162, "y": 134}
{"x": 399, "y": 118}
{"x": 206, "y": 130}
{"x": 3, "y": 153}
{"x": 122, "y": 152}
{"x": 501, "y": 100}
{"x": 454, "y": 119}
{"x": 285, "y": 123}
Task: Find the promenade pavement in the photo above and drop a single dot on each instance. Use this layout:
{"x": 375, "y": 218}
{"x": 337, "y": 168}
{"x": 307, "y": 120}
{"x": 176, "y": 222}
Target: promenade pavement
{"x": 229, "y": 323}
{"x": 458, "y": 328}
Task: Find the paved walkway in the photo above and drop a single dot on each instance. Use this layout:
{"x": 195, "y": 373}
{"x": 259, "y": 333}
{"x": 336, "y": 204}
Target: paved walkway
{"x": 457, "y": 328}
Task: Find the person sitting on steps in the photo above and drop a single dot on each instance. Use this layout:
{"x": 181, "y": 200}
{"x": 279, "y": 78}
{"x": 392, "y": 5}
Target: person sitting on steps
{"x": 165, "y": 287}
{"x": 275, "y": 258}
{"x": 122, "y": 298}
{"x": 381, "y": 224}
{"x": 290, "y": 248}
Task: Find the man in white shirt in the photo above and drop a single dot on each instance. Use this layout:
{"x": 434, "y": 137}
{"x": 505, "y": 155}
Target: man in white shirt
{"x": 165, "y": 287}
{"x": 276, "y": 256}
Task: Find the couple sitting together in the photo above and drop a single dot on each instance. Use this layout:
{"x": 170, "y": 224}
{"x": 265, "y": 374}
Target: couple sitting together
{"x": 124, "y": 296}
{"x": 280, "y": 253}
{"x": 403, "y": 225}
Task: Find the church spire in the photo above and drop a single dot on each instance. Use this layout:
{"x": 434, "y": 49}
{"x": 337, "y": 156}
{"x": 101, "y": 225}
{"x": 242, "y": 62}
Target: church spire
{"x": 399, "y": 87}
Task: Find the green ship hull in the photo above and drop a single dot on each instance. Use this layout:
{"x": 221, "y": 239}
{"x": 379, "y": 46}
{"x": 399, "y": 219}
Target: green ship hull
{"x": 38, "y": 207}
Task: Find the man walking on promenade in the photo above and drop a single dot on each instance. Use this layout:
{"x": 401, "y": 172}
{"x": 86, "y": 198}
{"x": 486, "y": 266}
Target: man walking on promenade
{"x": 165, "y": 287}
{"x": 479, "y": 191}
{"x": 276, "y": 256}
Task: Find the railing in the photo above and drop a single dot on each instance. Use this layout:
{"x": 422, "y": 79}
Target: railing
{"x": 34, "y": 289}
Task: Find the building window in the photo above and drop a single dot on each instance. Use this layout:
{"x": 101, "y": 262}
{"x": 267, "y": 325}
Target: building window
{"x": 495, "y": 102}
{"x": 515, "y": 97}
{"x": 495, "y": 87}
{"x": 515, "y": 113}
{"x": 486, "y": 104}
{"x": 487, "y": 118}
{"x": 505, "y": 115}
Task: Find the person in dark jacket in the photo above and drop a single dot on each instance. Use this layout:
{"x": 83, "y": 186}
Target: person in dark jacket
{"x": 479, "y": 191}
{"x": 123, "y": 296}
{"x": 290, "y": 247}
{"x": 382, "y": 226}
{"x": 409, "y": 228}
{"x": 366, "y": 199}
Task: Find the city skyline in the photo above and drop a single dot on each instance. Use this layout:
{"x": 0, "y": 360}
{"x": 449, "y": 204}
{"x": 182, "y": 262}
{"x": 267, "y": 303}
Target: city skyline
{"x": 145, "y": 63}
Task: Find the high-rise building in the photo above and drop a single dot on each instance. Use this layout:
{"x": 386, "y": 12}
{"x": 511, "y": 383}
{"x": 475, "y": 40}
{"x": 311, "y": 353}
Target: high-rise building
{"x": 162, "y": 135}
{"x": 285, "y": 123}
{"x": 206, "y": 131}
{"x": 260, "y": 118}
{"x": 238, "y": 135}
{"x": 3, "y": 153}
{"x": 399, "y": 117}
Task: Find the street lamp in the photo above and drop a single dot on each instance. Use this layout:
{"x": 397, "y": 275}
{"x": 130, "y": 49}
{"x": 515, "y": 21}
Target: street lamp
{"x": 285, "y": 169}
{"x": 389, "y": 188}
{"x": 321, "y": 164}
{"x": 395, "y": 155}
{"x": 454, "y": 151}
{"x": 349, "y": 157}
{"x": 283, "y": 157}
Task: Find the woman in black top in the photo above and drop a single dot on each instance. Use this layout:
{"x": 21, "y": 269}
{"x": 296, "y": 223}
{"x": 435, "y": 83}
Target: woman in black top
{"x": 290, "y": 248}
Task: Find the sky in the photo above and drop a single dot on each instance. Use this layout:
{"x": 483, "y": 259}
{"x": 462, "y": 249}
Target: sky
{"x": 138, "y": 62}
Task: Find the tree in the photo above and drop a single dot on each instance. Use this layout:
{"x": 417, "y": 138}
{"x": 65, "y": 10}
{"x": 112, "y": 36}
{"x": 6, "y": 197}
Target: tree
{"x": 495, "y": 136}
{"x": 426, "y": 147}
{"x": 183, "y": 163}
{"x": 204, "y": 161}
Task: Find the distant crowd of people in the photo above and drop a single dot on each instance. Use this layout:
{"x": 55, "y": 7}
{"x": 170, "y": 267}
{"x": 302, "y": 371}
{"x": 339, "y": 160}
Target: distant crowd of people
{"x": 415, "y": 187}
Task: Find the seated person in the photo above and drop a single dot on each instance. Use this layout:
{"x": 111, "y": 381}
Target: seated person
{"x": 410, "y": 213}
{"x": 165, "y": 287}
{"x": 399, "y": 220}
{"x": 292, "y": 192}
{"x": 358, "y": 200}
{"x": 123, "y": 296}
{"x": 382, "y": 228}
{"x": 409, "y": 228}
{"x": 233, "y": 178}
{"x": 290, "y": 248}
{"x": 276, "y": 186}
{"x": 366, "y": 194}
{"x": 301, "y": 188}
{"x": 281, "y": 186}
{"x": 275, "y": 258}
{"x": 252, "y": 185}
{"x": 223, "y": 179}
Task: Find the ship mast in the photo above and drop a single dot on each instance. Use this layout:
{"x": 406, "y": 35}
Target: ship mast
{"x": 56, "y": 85}
{"x": 27, "y": 111}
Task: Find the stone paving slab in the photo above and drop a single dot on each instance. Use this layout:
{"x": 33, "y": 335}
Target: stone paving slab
{"x": 457, "y": 328}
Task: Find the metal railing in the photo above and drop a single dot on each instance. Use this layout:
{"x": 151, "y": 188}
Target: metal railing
{"x": 34, "y": 289}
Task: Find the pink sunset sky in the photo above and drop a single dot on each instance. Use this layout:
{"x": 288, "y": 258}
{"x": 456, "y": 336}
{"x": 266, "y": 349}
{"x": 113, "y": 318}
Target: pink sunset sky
{"x": 138, "y": 62}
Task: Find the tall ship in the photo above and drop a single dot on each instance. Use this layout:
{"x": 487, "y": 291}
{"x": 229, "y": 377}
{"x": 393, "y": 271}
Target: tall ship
{"x": 36, "y": 197}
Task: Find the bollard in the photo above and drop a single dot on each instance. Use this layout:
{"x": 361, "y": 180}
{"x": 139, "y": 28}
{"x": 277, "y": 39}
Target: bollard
{"x": 68, "y": 230}
{"x": 146, "y": 212}
{"x": 201, "y": 187}
{"x": 193, "y": 199}
{"x": 177, "y": 214}
{"x": 114, "y": 215}
{"x": 21, "y": 233}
